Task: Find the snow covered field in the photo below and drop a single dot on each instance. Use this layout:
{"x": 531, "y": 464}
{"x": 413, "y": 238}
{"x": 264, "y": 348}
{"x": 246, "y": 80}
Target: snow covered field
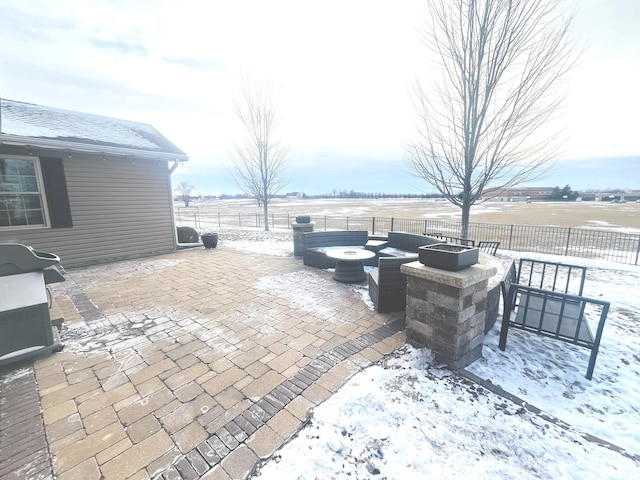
{"x": 604, "y": 216}
{"x": 407, "y": 417}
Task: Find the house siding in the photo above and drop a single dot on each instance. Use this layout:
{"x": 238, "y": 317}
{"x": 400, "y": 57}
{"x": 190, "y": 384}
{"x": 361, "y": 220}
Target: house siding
{"x": 120, "y": 209}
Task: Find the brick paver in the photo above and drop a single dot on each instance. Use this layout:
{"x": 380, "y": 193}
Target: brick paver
{"x": 24, "y": 452}
{"x": 88, "y": 447}
{"x": 196, "y": 364}
{"x": 87, "y": 470}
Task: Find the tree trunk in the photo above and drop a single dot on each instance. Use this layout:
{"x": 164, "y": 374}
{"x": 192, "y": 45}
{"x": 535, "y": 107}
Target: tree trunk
{"x": 466, "y": 214}
{"x": 266, "y": 216}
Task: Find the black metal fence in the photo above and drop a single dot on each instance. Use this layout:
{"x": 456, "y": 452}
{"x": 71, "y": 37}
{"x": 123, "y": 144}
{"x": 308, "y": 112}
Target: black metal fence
{"x": 576, "y": 242}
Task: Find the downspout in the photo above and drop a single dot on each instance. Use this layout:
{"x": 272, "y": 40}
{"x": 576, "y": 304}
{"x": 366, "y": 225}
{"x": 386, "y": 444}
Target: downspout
{"x": 173, "y": 212}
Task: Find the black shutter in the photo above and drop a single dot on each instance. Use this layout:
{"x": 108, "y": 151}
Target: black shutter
{"x": 55, "y": 188}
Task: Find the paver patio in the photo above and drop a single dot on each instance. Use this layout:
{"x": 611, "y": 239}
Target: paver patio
{"x": 196, "y": 364}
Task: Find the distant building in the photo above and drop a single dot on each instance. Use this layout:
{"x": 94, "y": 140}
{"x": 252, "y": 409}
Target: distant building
{"x": 618, "y": 196}
{"x": 88, "y": 188}
{"x": 587, "y": 196}
{"x": 519, "y": 194}
{"x": 296, "y": 195}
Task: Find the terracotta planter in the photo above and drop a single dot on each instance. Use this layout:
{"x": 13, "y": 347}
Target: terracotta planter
{"x": 209, "y": 240}
{"x": 447, "y": 256}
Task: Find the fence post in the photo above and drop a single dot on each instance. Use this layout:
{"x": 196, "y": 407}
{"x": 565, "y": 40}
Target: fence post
{"x": 392, "y": 219}
{"x": 219, "y": 220}
{"x": 566, "y": 248}
{"x": 239, "y": 220}
{"x": 510, "y": 236}
{"x": 373, "y": 225}
{"x": 638, "y": 251}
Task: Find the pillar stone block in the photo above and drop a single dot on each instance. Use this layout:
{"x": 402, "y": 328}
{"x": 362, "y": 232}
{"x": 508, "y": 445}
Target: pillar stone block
{"x": 299, "y": 229}
{"x": 446, "y": 311}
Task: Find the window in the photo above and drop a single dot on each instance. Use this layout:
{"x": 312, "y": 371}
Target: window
{"x": 21, "y": 193}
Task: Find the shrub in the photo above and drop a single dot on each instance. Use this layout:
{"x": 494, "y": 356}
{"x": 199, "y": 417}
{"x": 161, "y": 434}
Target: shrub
{"x": 187, "y": 235}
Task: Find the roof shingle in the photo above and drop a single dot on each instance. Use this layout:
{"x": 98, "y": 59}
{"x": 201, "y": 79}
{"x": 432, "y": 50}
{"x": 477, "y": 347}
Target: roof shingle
{"x": 90, "y": 132}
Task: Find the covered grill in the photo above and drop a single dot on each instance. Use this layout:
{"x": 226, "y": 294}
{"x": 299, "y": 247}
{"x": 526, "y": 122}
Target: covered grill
{"x": 25, "y": 323}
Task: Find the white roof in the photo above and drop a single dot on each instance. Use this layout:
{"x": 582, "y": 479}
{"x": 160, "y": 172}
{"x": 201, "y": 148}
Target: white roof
{"x": 37, "y": 125}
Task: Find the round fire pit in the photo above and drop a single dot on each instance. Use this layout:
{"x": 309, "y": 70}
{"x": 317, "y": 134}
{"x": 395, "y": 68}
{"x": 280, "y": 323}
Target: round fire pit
{"x": 350, "y": 264}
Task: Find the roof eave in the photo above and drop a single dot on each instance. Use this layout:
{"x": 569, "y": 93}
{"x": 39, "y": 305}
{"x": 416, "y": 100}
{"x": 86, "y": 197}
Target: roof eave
{"x": 83, "y": 147}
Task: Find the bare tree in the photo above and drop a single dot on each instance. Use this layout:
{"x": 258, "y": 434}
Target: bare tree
{"x": 481, "y": 124}
{"x": 259, "y": 161}
{"x": 184, "y": 190}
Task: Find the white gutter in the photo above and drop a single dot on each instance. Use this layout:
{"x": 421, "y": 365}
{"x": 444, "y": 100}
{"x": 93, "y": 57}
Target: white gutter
{"x": 83, "y": 147}
{"x": 173, "y": 167}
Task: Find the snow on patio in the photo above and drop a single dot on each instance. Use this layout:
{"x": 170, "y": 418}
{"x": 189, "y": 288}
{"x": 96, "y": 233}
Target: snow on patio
{"x": 408, "y": 418}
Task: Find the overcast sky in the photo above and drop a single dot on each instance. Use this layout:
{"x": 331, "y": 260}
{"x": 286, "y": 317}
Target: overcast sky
{"x": 342, "y": 71}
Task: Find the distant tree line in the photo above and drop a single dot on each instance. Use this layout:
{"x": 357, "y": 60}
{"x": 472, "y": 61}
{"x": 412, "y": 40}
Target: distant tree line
{"x": 343, "y": 194}
{"x": 377, "y": 195}
{"x": 565, "y": 193}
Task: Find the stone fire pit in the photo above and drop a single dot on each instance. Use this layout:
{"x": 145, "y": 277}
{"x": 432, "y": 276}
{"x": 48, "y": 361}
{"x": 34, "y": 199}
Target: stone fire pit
{"x": 446, "y": 256}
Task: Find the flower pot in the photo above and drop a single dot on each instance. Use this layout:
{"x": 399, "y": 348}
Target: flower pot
{"x": 209, "y": 240}
{"x": 303, "y": 219}
{"x": 447, "y": 256}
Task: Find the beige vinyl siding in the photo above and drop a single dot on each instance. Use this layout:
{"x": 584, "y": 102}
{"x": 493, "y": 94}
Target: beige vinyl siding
{"x": 120, "y": 209}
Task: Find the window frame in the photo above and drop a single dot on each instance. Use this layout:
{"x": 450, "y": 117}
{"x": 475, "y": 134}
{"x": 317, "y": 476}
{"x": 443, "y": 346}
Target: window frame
{"x": 41, "y": 190}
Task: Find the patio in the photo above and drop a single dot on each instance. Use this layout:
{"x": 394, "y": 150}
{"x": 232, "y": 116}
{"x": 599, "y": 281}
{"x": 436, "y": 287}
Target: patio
{"x": 164, "y": 376}
{"x": 196, "y": 363}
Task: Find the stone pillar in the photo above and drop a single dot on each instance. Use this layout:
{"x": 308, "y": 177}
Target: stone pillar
{"x": 299, "y": 229}
{"x": 446, "y": 311}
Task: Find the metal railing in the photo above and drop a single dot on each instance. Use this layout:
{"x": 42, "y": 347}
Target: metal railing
{"x": 570, "y": 241}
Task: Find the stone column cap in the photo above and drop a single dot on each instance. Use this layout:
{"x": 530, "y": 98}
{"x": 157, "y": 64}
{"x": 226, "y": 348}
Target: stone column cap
{"x": 302, "y": 225}
{"x": 461, "y": 279}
